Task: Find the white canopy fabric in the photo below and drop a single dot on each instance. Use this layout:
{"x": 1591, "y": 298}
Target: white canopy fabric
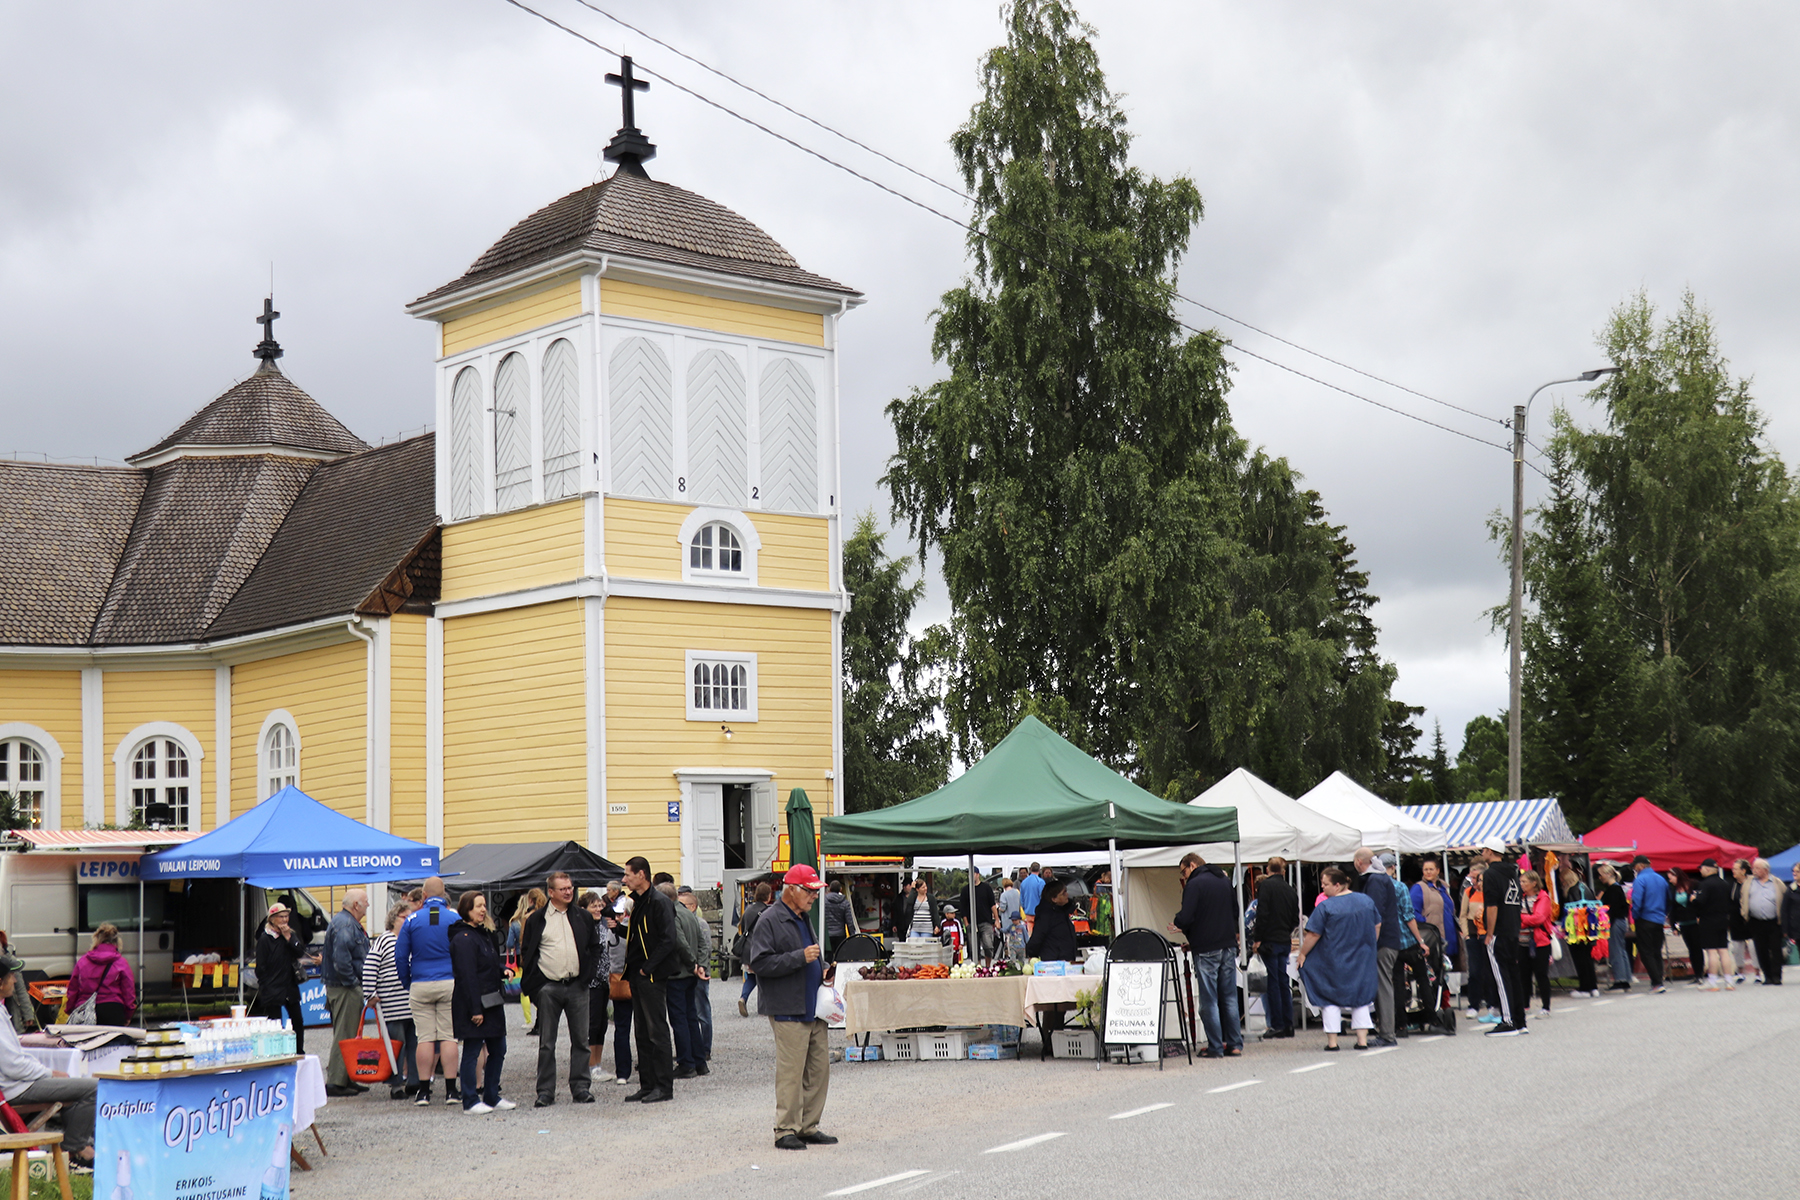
{"x": 987, "y": 864}
{"x": 1269, "y": 822}
{"x": 1383, "y": 826}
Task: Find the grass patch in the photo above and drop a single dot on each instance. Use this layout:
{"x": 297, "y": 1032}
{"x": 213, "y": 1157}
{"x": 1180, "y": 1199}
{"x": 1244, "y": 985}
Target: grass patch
{"x": 81, "y": 1187}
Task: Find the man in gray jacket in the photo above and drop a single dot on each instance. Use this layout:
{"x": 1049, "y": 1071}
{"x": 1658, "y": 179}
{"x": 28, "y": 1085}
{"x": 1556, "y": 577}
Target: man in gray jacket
{"x": 785, "y": 955}
{"x": 341, "y": 965}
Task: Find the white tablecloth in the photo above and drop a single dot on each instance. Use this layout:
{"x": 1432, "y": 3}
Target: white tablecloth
{"x": 309, "y": 1091}
{"x": 76, "y": 1064}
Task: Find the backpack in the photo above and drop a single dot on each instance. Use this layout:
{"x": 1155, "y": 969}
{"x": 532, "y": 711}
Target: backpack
{"x": 740, "y": 945}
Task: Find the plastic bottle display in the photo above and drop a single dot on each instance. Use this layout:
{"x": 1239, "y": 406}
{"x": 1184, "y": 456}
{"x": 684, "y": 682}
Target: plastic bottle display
{"x": 275, "y": 1179}
{"x": 122, "y": 1187}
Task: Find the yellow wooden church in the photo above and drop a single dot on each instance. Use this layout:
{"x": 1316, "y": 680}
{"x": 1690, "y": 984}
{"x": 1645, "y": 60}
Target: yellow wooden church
{"x": 601, "y": 602}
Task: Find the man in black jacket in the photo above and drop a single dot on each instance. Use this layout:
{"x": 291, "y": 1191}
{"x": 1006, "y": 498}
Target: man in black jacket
{"x": 557, "y": 956}
{"x": 1373, "y": 881}
{"x": 1209, "y": 919}
{"x": 785, "y": 955}
{"x": 1277, "y": 916}
{"x": 650, "y": 952}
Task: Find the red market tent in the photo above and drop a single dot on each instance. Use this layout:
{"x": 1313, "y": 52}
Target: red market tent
{"x": 1669, "y": 842}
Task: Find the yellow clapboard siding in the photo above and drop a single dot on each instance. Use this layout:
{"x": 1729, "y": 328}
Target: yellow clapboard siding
{"x": 512, "y": 551}
{"x": 51, "y": 700}
{"x": 134, "y": 698}
{"x": 516, "y": 314}
{"x": 406, "y": 735}
{"x": 326, "y": 690}
{"x": 621, "y": 299}
{"x": 647, "y": 730}
{"x": 643, "y": 541}
{"x": 515, "y": 725}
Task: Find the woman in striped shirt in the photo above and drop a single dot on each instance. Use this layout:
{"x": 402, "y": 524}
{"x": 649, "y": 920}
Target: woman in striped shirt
{"x": 383, "y": 982}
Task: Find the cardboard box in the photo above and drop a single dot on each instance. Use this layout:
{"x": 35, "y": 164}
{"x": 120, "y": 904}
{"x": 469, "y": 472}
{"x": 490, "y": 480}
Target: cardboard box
{"x": 991, "y": 1052}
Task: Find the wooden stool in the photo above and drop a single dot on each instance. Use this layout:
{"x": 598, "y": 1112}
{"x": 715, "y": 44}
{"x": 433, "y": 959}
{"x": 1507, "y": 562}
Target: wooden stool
{"x": 20, "y": 1144}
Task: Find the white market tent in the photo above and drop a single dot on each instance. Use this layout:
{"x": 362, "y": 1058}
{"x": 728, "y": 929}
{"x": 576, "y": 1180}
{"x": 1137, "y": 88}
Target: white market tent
{"x": 1516, "y": 822}
{"x": 1383, "y": 826}
{"x": 987, "y": 864}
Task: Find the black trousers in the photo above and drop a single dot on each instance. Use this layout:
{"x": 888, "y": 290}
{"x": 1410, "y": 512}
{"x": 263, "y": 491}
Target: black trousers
{"x": 274, "y": 1006}
{"x": 1534, "y": 965}
{"x": 1690, "y": 934}
{"x": 1503, "y": 957}
{"x": 1765, "y": 935}
{"x": 1584, "y": 967}
{"x": 1650, "y": 950}
{"x": 650, "y": 1020}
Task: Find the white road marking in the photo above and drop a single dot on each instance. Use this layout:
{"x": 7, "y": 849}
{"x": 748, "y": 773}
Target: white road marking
{"x": 1379, "y": 1050}
{"x": 1436, "y": 1037}
{"x": 928, "y": 1181}
{"x": 1138, "y": 1112}
{"x": 1318, "y": 1066}
{"x": 1232, "y": 1087}
{"x": 875, "y": 1183}
{"x": 1023, "y": 1144}
{"x": 1598, "y": 1003}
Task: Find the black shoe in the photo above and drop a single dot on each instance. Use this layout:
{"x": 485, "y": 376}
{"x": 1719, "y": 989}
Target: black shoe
{"x": 659, "y": 1095}
{"x": 1400, "y": 1033}
{"x": 700, "y": 1068}
{"x": 816, "y": 1138}
{"x": 339, "y": 1091}
{"x": 1270, "y": 1035}
{"x": 398, "y": 1093}
{"x": 1386, "y": 1041}
{"x": 639, "y": 1094}
{"x": 789, "y": 1141}
{"x": 585, "y": 1098}
{"x": 543, "y": 1103}
{"x": 685, "y": 1072}
{"x": 360, "y": 1087}
{"x": 423, "y": 1095}
{"x": 452, "y": 1093}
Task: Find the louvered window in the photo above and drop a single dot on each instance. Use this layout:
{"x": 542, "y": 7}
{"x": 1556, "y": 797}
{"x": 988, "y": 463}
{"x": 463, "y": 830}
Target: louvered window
{"x": 467, "y": 488}
{"x": 788, "y": 432}
{"x": 22, "y": 775}
{"x": 512, "y": 433}
{"x": 718, "y": 431}
{"x": 641, "y": 409}
{"x": 562, "y": 421}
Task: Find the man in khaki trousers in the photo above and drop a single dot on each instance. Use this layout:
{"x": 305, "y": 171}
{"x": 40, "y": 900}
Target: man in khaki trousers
{"x": 784, "y": 955}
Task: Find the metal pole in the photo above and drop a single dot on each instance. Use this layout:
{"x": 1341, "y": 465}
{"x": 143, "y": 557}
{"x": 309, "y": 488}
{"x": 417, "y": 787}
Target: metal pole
{"x": 974, "y": 922}
{"x": 140, "y": 933}
{"x": 241, "y": 962}
{"x": 1118, "y": 886}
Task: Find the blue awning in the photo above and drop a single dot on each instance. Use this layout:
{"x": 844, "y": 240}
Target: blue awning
{"x": 1516, "y": 821}
{"x": 292, "y": 840}
{"x": 1782, "y": 865}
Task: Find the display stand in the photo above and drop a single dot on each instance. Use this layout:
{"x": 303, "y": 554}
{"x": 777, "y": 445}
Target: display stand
{"x": 1141, "y": 980}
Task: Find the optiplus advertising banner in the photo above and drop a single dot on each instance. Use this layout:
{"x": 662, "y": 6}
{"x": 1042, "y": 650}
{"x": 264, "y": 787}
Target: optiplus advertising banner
{"x": 202, "y": 1137}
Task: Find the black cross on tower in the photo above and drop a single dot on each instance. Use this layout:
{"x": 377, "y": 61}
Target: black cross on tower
{"x": 268, "y": 349}
{"x": 629, "y": 147}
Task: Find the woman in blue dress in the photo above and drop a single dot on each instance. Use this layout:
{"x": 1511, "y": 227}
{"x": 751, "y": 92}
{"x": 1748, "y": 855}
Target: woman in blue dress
{"x": 1338, "y": 963}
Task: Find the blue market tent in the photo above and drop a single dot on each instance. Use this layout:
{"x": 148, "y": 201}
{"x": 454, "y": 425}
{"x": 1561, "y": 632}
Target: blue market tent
{"x": 1517, "y": 822}
{"x": 1782, "y": 865}
{"x": 291, "y": 840}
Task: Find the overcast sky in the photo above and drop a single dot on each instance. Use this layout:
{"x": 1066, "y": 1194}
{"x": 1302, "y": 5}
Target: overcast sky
{"x": 1449, "y": 196}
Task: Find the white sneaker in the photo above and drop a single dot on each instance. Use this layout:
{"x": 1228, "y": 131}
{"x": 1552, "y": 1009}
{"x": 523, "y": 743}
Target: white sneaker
{"x": 505, "y": 1105}
{"x": 622, "y": 1080}
{"x": 1542, "y": 1012}
{"x": 478, "y": 1109}
{"x": 1474, "y": 1014}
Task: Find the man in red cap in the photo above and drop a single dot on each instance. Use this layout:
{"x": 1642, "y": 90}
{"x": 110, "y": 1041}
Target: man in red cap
{"x": 784, "y": 954}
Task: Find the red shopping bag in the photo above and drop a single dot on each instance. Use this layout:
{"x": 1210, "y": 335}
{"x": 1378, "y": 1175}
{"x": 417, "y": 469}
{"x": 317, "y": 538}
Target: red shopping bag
{"x": 369, "y": 1059}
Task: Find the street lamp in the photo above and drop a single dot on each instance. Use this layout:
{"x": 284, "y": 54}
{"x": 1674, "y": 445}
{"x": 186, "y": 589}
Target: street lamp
{"x": 1514, "y": 725}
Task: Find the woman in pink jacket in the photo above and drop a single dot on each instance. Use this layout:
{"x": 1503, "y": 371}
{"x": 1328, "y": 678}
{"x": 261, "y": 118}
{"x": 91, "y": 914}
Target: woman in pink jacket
{"x": 1536, "y": 919}
{"x": 104, "y": 974}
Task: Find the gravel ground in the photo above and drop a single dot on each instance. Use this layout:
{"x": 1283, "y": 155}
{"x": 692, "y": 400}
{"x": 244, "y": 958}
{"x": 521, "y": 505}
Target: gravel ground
{"x": 1631, "y": 1095}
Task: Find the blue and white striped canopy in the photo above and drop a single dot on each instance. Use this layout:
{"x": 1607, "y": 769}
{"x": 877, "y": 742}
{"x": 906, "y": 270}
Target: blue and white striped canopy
{"x": 1517, "y": 821}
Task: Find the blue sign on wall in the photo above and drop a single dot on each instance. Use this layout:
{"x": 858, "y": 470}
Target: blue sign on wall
{"x": 313, "y": 1009}
{"x": 201, "y": 1135}
{"x": 674, "y": 811}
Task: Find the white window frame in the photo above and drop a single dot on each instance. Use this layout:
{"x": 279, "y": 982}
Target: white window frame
{"x": 748, "y": 540}
{"x": 50, "y": 812}
{"x": 128, "y": 747}
{"x": 283, "y": 720}
{"x": 726, "y": 658}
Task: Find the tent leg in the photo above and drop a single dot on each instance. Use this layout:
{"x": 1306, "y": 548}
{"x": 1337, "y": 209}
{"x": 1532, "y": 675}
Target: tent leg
{"x": 241, "y": 963}
{"x": 140, "y": 933}
{"x": 973, "y": 926}
{"x": 1118, "y": 886}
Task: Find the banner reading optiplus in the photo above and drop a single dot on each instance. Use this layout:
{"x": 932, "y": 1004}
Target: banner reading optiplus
{"x": 202, "y": 1137}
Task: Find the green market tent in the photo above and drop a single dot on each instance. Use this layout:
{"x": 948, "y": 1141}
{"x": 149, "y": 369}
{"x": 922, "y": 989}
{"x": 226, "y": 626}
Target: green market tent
{"x": 1034, "y": 792}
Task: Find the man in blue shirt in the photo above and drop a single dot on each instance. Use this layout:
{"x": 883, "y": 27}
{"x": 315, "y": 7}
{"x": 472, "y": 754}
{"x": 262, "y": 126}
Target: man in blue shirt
{"x": 1374, "y": 883}
{"x": 1030, "y": 888}
{"x": 784, "y": 955}
{"x": 422, "y": 962}
{"x": 1649, "y": 909}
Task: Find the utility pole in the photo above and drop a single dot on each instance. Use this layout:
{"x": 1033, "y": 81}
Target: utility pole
{"x": 1514, "y": 714}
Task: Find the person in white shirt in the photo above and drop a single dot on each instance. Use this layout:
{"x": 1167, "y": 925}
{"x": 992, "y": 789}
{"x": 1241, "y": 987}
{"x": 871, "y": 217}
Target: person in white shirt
{"x": 25, "y": 1080}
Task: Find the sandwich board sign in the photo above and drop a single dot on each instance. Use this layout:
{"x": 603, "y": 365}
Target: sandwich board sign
{"x": 1134, "y": 1004}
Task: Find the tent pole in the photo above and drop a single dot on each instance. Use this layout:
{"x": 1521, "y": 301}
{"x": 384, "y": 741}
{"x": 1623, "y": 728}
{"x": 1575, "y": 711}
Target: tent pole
{"x": 140, "y": 933}
{"x": 974, "y": 922}
{"x": 241, "y": 963}
{"x": 1118, "y": 886}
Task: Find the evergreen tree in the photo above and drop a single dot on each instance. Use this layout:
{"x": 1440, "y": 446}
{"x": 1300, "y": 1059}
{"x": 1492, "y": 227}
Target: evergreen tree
{"x": 1481, "y": 763}
{"x": 1116, "y": 558}
{"x": 894, "y": 746}
{"x": 1441, "y": 776}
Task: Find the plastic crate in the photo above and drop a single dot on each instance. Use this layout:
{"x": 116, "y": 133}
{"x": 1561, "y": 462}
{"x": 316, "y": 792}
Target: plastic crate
{"x": 900, "y": 1047}
{"x": 952, "y": 1045}
{"x": 992, "y": 1052}
{"x": 1072, "y": 1043}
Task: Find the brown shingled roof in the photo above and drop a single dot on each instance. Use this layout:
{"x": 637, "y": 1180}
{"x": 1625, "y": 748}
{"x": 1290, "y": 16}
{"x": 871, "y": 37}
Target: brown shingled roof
{"x": 62, "y": 529}
{"x": 266, "y": 409}
{"x": 641, "y": 218}
{"x": 355, "y": 525}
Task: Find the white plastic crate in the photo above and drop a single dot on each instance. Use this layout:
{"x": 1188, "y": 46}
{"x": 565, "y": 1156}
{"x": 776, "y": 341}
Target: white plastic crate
{"x": 900, "y": 1047}
{"x": 1072, "y": 1043}
{"x": 950, "y": 1046}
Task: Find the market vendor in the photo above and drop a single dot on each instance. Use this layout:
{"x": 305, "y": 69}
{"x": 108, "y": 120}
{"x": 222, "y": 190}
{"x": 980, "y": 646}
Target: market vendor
{"x": 1053, "y": 935}
{"x": 25, "y": 1080}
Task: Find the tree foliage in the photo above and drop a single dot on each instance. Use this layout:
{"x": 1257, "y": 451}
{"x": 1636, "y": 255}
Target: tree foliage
{"x": 1117, "y": 559}
{"x": 1480, "y": 771}
{"x": 1665, "y": 572}
{"x": 894, "y": 745}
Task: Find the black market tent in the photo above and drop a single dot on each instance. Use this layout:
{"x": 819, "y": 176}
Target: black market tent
{"x": 518, "y": 866}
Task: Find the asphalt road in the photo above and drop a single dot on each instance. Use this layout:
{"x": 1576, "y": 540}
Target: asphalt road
{"x": 1639, "y": 1094}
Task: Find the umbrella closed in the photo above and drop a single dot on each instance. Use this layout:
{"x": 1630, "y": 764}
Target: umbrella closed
{"x": 803, "y": 845}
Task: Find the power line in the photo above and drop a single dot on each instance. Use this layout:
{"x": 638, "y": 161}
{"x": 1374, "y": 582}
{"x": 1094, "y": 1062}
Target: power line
{"x": 985, "y": 236}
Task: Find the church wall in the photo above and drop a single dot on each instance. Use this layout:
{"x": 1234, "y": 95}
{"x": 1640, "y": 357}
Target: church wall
{"x": 326, "y": 690}
{"x": 186, "y": 698}
{"x": 406, "y": 735}
{"x": 513, "y": 551}
{"x": 515, "y": 726}
{"x": 648, "y": 734}
{"x": 51, "y": 700}
{"x": 621, "y": 299}
{"x": 514, "y": 315}
{"x": 643, "y": 542}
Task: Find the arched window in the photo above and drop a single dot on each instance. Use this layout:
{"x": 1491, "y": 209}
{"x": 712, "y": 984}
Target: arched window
{"x": 512, "y": 433}
{"x": 159, "y": 783}
{"x": 280, "y": 755}
{"x": 722, "y": 685}
{"x": 466, "y": 469}
{"x": 562, "y": 421}
{"x": 715, "y": 547}
{"x": 24, "y": 775}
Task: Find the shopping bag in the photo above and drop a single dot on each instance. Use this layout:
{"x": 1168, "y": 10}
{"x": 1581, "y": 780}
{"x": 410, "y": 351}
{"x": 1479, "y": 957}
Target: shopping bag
{"x": 829, "y": 1007}
{"x": 525, "y": 1008}
{"x": 369, "y": 1060}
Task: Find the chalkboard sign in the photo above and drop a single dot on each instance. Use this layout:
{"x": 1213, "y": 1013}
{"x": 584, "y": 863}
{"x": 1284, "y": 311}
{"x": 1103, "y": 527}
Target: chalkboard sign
{"x": 1134, "y": 1004}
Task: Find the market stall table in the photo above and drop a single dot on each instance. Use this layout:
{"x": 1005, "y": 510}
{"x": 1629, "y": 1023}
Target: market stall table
{"x": 872, "y": 1005}
{"x": 75, "y": 1063}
